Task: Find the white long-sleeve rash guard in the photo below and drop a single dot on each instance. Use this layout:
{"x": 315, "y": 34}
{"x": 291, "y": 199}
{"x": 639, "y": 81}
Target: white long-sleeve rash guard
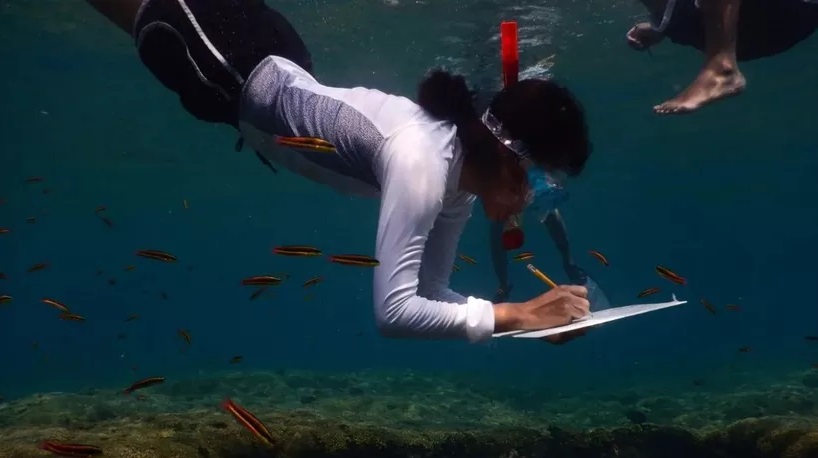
{"x": 386, "y": 146}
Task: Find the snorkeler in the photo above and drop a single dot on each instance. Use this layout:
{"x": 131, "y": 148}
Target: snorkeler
{"x": 241, "y": 63}
{"x": 726, "y": 31}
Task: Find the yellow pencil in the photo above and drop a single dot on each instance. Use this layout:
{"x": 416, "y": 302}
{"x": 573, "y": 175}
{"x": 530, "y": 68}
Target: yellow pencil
{"x": 542, "y": 276}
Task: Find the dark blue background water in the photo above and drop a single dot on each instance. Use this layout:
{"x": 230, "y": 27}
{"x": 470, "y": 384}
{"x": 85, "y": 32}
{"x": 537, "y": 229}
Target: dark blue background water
{"x": 725, "y": 197}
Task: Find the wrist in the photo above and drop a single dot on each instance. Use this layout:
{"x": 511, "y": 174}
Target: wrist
{"x": 506, "y": 317}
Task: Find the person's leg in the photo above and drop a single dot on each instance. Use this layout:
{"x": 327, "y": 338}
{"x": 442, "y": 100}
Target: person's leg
{"x": 120, "y": 12}
{"x": 720, "y": 77}
{"x": 204, "y": 50}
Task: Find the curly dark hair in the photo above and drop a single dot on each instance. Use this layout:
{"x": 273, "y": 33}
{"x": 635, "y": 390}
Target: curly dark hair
{"x": 543, "y": 114}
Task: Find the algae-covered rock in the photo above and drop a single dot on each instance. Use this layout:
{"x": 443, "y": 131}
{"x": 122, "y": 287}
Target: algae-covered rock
{"x": 407, "y": 415}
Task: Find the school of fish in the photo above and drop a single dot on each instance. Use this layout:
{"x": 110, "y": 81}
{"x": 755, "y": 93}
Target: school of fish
{"x": 262, "y": 283}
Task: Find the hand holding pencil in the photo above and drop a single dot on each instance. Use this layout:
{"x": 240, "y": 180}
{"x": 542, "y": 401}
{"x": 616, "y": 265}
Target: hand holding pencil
{"x": 557, "y": 307}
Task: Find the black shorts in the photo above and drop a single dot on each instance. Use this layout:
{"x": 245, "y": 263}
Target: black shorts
{"x": 765, "y": 28}
{"x": 204, "y": 50}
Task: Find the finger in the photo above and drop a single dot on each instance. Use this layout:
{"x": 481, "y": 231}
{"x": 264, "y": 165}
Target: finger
{"x": 578, "y": 307}
{"x": 576, "y": 290}
{"x": 577, "y": 313}
{"x": 582, "y": 304}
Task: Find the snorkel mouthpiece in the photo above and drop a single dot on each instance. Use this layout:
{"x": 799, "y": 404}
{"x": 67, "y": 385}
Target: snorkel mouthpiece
{"x": 513, "y": 236}
{"x": 513, "y": 239}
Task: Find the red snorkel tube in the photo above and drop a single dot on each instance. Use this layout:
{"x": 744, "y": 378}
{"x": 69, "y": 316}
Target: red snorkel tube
{"x": 509, "y": 52}
{"x": 513, "y": 236}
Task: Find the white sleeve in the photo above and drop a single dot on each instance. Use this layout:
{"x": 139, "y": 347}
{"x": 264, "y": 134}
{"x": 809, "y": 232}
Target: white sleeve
{"x": 414, "y": 176}
{"x": 441, "y": 249}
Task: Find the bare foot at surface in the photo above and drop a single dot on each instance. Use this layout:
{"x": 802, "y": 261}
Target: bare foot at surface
{"x": 709, "y": 86}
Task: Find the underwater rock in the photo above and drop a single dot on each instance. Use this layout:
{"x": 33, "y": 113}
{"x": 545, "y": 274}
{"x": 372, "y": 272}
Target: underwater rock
{"x": 426, "y": 417}
{"x": 636, "y": 417}
{"x": 810, "y": 380}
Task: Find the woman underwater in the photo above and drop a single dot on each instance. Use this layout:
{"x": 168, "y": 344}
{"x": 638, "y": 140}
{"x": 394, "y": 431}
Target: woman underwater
{"x": 241, "y": 63}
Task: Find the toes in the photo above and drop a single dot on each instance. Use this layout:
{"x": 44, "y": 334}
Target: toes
{"x": 672, "y": 108}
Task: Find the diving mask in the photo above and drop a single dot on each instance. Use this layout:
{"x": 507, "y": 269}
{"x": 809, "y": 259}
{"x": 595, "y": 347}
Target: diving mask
{"x": 546, "y": 195}
{"x": 545, "y": 190}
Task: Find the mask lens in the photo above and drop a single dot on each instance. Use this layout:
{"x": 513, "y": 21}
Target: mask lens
{"x": 546, "y": 190}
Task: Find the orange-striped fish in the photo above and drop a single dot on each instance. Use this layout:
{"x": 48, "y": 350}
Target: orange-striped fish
{"x": 354, "y": 260}
{"x": 4, "y": 230}
{"x": 31, "y": 220}
{"x": 236, "y": 359}
{"x": 524, "y": 256}
{"x": 733, "y": 307}
{"x": 668, "y": 274}
{"x": 68, "y": 449}
{"x": 38, "y": 266}
{"x": 304, "y": 141}
{"x": 132, "y": 317}
{"x": 455, "y": 268}
{"x": 261, "y": 280}
{"x": 710, "y": 308}
{"x": 648, "y": 292}
{"x": 157, "y": 255}
{"x": 144, "y": 383}
{"x": 468, "y": 259}
{"x": 185, "y": 335}
{"x": 307, "y": 143}
{"x": 249, "y": 421}
{"x": 56, "y": 304}
{"x": 100, "y": 209}
{"x": 34, "y": 180}
{"x": 297, "y": 250}
{"x": 5, "y": 299}
{"x": 67, "y": 316}
{"x": 130, "y": 268}
{"x": 107, "y": 222}
{"x": 312, "y": 281}
{"x": 599, "y": 256}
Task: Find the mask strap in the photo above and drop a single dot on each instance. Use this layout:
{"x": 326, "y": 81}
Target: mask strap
{"x": 518, "y": 147}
